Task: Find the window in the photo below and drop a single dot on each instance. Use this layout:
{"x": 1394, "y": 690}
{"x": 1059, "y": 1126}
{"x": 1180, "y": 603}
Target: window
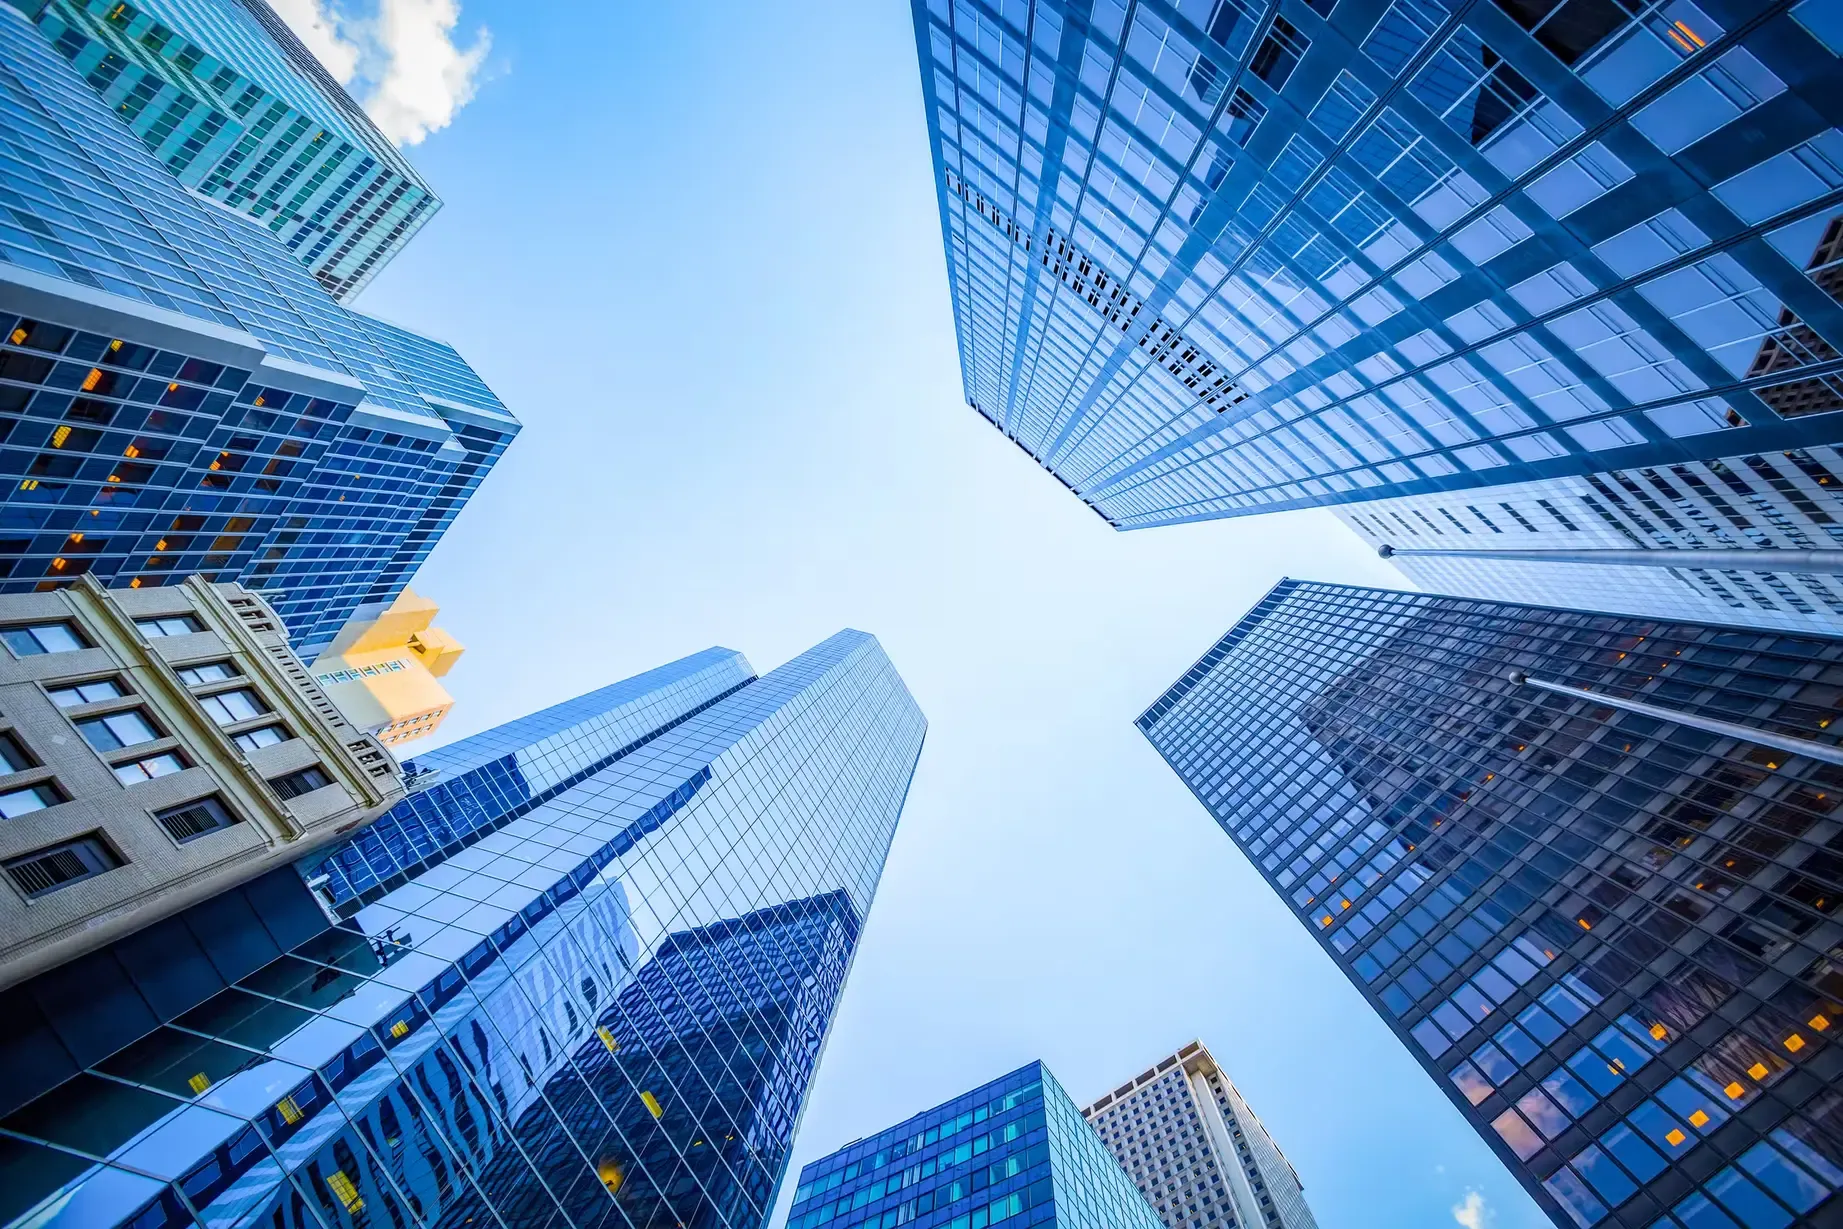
{"x": 306, "y": 781}
{"x": 136, "y": 771}
{"x": 118, "y": 730}
{"x": 261, "y": 736}
{"x": 47, "y": 870}
{"x": 233, "y": 706}
{"x": 42, "y": 638}
{"x": 195, "y": 819}
{"x": 169, "y": 625}
{"x": 15, "y": 755}
{"x": 209, "y": 672}
{"x": 93, "y": 692}
{"x": 17, "y": 802}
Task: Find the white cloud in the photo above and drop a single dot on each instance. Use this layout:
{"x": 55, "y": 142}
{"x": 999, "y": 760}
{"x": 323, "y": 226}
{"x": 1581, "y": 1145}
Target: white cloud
{"x": 1472, "y": 1213}
{"x": 317, "y": 27}
{"x": 401, "y": 62}
{"x": 426, "y": 77}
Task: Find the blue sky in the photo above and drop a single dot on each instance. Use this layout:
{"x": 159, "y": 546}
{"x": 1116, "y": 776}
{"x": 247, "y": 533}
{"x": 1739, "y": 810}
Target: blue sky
{"x": 694, "y": 246}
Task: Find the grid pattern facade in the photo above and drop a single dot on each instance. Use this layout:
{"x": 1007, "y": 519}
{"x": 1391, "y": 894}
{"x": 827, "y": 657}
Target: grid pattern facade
{"x": 1197, "y": 1153}
{"x": 216, "y": 92}
{"x": 1214, "y": 257}
{"x": 1611, "y": 938}
{"x": 178, "y": 395}
{"x": 1014, "y": 1152}
{"x": 604, "y": 1012}
{"x": 1792, "y": 499}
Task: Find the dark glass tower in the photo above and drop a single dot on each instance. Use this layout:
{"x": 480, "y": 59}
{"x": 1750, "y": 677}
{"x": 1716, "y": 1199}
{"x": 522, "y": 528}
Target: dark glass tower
{"x": 1014, "y": 1152}
{"x": 1587, "y": 867}
{"x": 178, "y": 394}
{"x": 581, "y": 977}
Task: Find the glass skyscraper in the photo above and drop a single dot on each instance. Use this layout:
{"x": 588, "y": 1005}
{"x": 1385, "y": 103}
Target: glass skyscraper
{"x": 179, "y": 395}
{"x": 1014, "y": 1152}
{"x": 1585, "y": 866}
{"x": 580, "y": 977}
{"x": 225, "y": 96}
{"x": 1216, "y": 257}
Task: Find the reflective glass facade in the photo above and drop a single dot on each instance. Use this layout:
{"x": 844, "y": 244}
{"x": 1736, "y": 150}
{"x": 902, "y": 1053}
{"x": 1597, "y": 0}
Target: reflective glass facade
{"x": 179, "y": 395}
{"x": 222, "y": 93}
{"x": 1214, "y": 257}
{"x": 1612, "y": 938}
{"x": 1013, "y": 1152}
{"x": 582, "y": 977}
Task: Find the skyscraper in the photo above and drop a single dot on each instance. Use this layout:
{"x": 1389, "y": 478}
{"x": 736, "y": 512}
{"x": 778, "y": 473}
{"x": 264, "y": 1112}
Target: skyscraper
{"x": 1584, "y": 866}
{"x": 1182, "y": 1132}
{"x": 1215, "y": 257}
{"x": 224, "y": 95}
{"x": 581, "y": 976}
{"x": 1013, "y": 1152}
{"x": 384, "y": 669}
{"x": 1760, "y": 545}
{"x": 179, "y": 395}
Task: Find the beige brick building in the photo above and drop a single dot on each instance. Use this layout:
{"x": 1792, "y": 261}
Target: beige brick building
{"x": 159, "y": 745}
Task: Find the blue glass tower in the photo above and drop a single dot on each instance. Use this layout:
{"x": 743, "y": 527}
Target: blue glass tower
{"x": 1584, "y": 866}
{"x": 179, "y": 395}
{"x": 226, "y": 97}
{"x": 1215, "y": 257}
{"x": 1014, "y": 1152}
{"x": 582, "y": 976}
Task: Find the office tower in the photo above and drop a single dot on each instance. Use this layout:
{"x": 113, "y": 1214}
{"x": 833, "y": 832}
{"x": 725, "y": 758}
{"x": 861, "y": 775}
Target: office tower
{"x": 580, "y": 976}
{"x": 384, "y": 669}
{"x": 179, "y": 395}
{"x": 1013, "y": 1152}
{"x": 1215, "y": 257}
{"x": 1182, "y": 1132}
{"x": 226, "y": 98}
{"x": 160, "y": 746}
{"x": 1585, "y": 866}
{"x": 1760, "y": 543}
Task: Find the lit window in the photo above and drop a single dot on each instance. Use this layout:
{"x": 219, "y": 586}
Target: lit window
{"x": 42, "y": 638}
{"x": 93, "y": 692}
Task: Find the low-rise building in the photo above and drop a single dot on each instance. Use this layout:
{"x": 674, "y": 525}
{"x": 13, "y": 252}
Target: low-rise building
{"x": 382, "y": 670}
{"x": 160, "y": 746}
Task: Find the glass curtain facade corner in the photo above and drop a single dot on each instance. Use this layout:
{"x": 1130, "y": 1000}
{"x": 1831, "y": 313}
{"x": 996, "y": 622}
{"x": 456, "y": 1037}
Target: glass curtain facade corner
{"x": 1013, "y": 1152}
{"x": 178, "y": 395}
{"x": 581, "y": 977}
{"x": 225, "y": 97}
{"x": 1612, "y": 938}
{"x": 1215, "y": 257}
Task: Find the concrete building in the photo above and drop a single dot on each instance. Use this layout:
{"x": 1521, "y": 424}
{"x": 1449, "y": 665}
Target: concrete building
{"x": 1754, "y": 539}
{"x": 161, "y": 746}
{"x": 384, "y": 668}
{"x": 1197, "y": 1152}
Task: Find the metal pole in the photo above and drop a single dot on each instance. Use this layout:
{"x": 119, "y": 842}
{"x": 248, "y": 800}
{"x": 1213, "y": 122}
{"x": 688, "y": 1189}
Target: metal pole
{"x": 1726, "y": 729}
{"x": 1766, "y": 559}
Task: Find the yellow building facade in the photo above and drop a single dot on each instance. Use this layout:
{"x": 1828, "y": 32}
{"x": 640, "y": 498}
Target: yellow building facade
{"x": 384, "y": 669}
